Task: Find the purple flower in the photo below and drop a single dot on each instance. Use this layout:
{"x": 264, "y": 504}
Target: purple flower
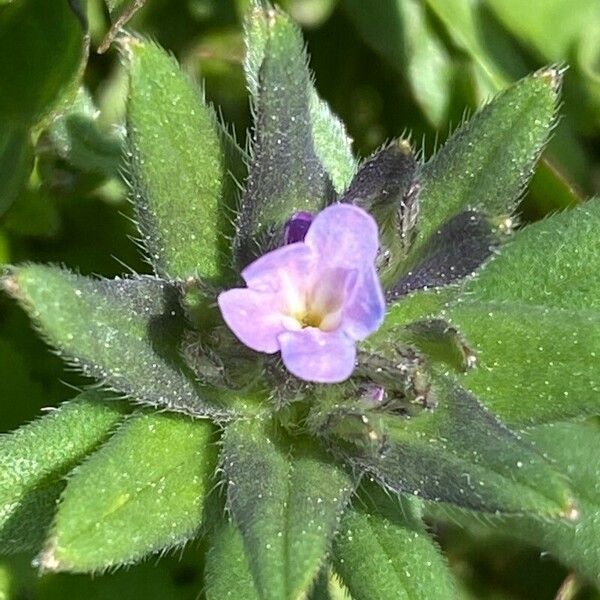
{"x": 313, "y": 299}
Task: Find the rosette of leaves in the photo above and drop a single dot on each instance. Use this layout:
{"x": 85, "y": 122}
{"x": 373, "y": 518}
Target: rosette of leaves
{"x": 301, "y": 488}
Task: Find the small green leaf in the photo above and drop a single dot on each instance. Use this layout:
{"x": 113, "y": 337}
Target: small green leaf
{"x": 288, "y": 171}
{"x": 16, "y": 161}
{"x": 124, "y": 332}
{"x": 43, "y": 50}
{"x": 35, "y": 459}
{"x": 179, "y": 161}
{"x": 288, "y": 520}
{"x": 378, "y": 559}
{"x": 486, "y": 164}
{"x": 455, "y": 453}
{"x": 142, "y": 492}
{"x": 77, "y": 138}
{"x": 227, "y": 573}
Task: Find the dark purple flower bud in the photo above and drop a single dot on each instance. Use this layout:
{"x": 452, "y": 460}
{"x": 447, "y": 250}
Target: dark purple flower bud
{"x": 295, "y": 229}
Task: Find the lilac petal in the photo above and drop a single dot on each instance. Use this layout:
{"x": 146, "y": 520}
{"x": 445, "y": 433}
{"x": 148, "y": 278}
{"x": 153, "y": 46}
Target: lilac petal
{"x": 344, "y": 236}
{"x": 285, "y": 266}
{"x": 364, "y": 310}
{"x": 295, "y": 229}
{"x": 254, "y": 317}
{"x": 320, "y": 356}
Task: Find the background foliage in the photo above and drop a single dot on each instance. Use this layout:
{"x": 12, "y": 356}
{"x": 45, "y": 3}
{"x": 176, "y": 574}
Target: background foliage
{"x": 385, "y": 67}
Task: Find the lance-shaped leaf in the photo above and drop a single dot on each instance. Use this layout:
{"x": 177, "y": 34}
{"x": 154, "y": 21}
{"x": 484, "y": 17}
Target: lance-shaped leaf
{"x": 532, "y": 318}
{"x": 180, "y": 161}
{"x": 35, "y": 459}
{"x": 287, "y": 172}
{"x": 227, "y": 573}
{"x": 331, "y": 142}
{"x": 142, "y": 492}
{"x": 286, "y": 502}
{"x": 457, "y": 453}
{"x": 487, "y": 163}
{"x": 573, "y": 448}
{"x": 381, "y": 559}
{"x": 123, "y": 332}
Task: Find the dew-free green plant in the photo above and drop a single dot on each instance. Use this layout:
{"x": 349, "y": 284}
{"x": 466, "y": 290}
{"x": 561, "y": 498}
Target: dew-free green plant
{"x": 456, "y": 405}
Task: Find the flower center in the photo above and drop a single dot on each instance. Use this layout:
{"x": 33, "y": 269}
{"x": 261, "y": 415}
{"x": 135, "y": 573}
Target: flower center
{"x": 321, "y": 304}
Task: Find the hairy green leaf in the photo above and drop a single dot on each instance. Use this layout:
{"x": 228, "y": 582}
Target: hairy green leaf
{"x": 43, "y": 50}
{"x": 573, "y": 447}
{"x": 287, "y": 520}
{"x": 331, "y": 142}
{"x": 125, "y": 332}
{"x": 35, "y": 459}
{"x": 296, "y": 140}
{"x": 486, "y": 164}
{"x": 180, "y": 161}
{"x": 379, "y": 559}
{"x": 455, "y": 453}
{"x": 142, "y": 492}
{"x": 553, "y": 263}
{"x": 227, "y": 572}
{"x": 534, "y": 363}
{"x": 532, "y": 319}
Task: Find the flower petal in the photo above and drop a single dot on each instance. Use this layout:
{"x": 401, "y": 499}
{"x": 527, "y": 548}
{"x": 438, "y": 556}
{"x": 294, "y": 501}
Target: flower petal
{"x": 254, "y": 317}
{"x": 364, "y": 310}
{"x": 345, "y": 236}
{"x": 320, "y": 356}
{"x": 276, "y": 269}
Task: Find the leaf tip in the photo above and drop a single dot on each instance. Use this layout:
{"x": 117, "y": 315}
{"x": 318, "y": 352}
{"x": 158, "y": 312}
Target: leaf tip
{"x": 8, "y": 281}
{"x": 571, "y": 512}
{"x": 403, "y": 146}
{"x": 553, "y": 76}
{"x": 47, "y": 561}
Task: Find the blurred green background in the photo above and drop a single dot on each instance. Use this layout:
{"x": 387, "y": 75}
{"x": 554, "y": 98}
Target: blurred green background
{"x": 389, "y": 68}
